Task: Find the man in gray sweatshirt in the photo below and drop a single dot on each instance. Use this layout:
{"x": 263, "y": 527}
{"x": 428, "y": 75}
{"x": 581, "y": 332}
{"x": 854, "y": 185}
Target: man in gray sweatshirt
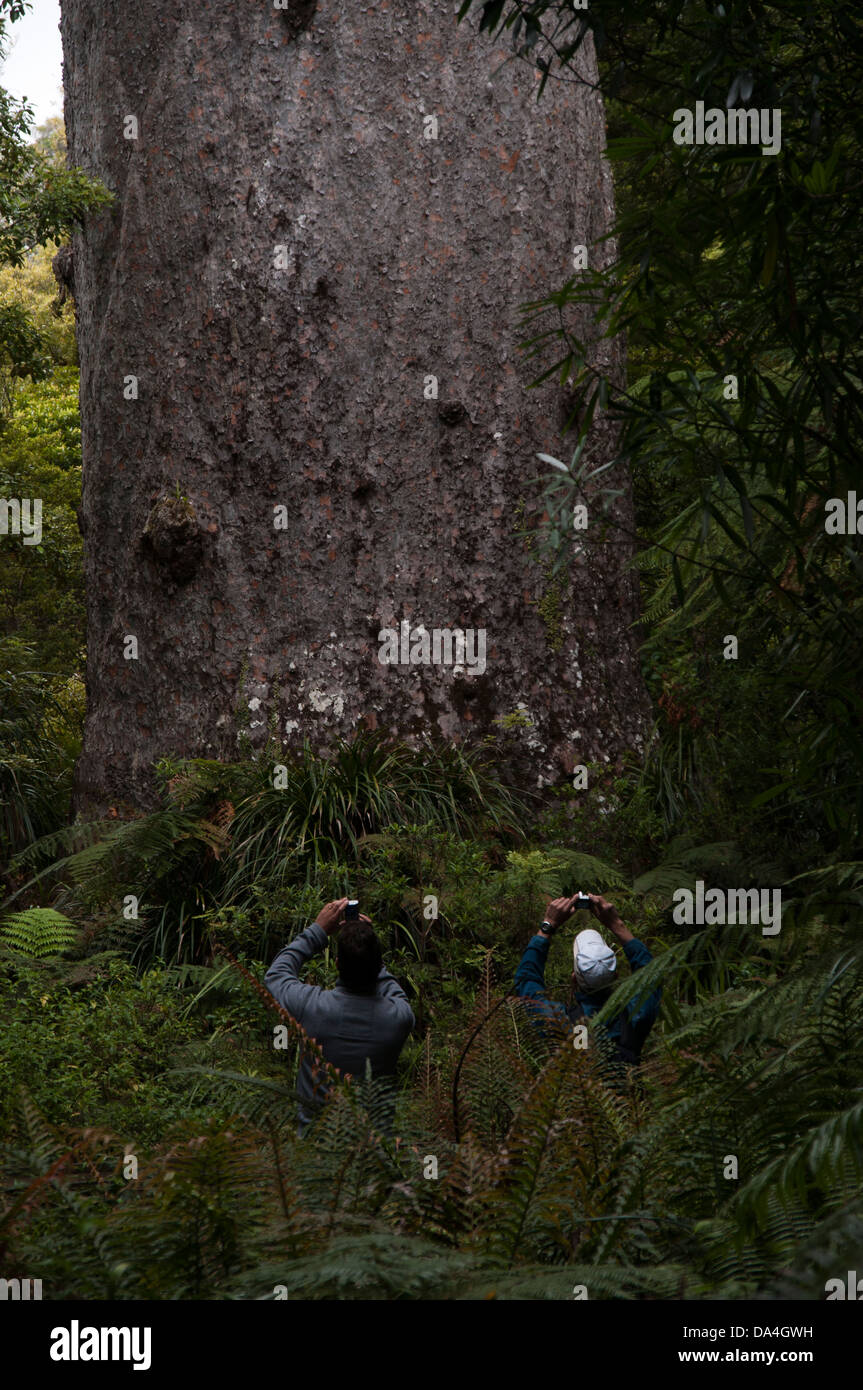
{"x": 366, "y": 1015}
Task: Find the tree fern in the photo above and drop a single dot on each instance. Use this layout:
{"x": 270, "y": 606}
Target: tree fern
{"x": 369, "y": 1266}
{"x": 519, "y": 1201}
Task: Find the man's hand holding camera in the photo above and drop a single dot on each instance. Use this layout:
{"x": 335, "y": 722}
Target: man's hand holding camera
{"x": 609, "y": 917}
{"x": 559, "y": 910}
{"x": 556, "y": 913}
{"x": 332, "y": 916}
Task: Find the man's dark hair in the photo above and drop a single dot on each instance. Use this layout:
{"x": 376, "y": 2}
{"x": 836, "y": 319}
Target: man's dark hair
{"x": 359, "y": 957}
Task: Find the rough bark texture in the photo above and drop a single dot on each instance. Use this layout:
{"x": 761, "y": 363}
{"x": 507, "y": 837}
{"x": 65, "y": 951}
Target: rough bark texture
{"x": 304, "y": 386}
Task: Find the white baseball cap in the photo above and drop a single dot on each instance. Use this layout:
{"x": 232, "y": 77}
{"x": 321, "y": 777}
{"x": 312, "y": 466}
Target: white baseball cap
{"x": 595, "y": 962}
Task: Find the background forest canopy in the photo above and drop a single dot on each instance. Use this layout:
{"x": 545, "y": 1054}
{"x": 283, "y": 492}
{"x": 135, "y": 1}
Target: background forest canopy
{"x": 129, "y": 951}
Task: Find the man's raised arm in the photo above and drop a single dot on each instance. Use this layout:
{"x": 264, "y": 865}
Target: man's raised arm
{"x": 283, "y": 977}
{"x": 530, "y": 975}
{"x": 640, "y": 1011}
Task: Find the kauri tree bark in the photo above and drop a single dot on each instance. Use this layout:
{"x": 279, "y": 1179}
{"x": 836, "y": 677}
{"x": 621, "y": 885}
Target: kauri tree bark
{"x": 305, "y": 415}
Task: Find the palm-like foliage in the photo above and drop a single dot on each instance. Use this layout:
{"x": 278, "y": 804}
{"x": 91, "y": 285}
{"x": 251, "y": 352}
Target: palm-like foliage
{"x": 367, "y": 784}
{"x": 225, "y": 834}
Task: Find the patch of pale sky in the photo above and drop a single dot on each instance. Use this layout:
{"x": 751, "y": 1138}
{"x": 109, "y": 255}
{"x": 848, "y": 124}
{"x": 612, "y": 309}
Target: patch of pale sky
{"x": 33, "y": 66}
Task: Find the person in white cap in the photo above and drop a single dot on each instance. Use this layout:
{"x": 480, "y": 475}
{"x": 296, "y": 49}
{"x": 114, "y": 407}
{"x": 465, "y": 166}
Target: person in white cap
{"x": 594, "y": 963}
{"x": 594, "y": 975}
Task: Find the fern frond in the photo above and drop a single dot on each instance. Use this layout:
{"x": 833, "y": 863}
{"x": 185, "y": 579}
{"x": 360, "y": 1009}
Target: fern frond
{"x": 38, "y": 931}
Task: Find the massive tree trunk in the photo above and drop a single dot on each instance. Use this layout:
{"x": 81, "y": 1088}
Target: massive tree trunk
{"x": 292, "y": 256}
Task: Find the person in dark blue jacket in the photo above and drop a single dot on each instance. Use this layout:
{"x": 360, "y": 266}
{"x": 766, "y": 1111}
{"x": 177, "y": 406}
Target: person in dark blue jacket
{"x": 594, "y": 977}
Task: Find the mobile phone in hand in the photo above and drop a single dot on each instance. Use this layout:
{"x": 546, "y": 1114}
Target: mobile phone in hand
{"x": 352, "y": 911}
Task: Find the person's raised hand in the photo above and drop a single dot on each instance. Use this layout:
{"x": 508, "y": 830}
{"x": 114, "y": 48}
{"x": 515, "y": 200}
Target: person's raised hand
{"x": 332, "y": 915}
{"x": 609, "y": 916}
{"x": 603, "y": 910}
{"x": 558, "y": 910}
